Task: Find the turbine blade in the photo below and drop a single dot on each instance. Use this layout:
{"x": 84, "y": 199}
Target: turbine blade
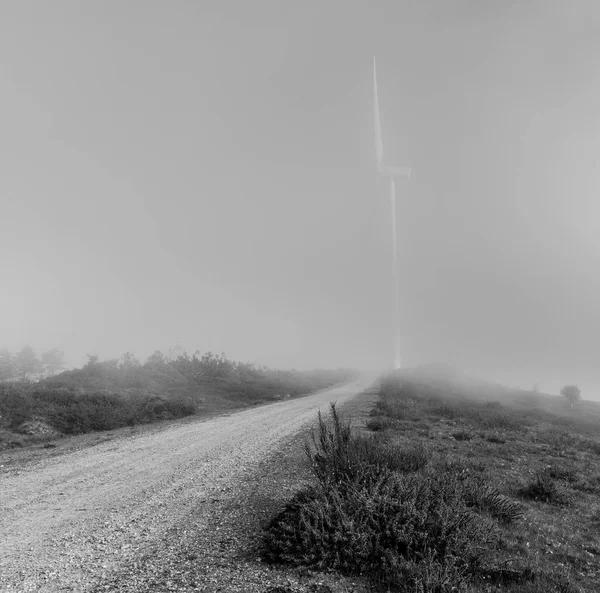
{"x": 377, "y": 121}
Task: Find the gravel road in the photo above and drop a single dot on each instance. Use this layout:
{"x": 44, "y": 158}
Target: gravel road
{"x": 70, "y": 522}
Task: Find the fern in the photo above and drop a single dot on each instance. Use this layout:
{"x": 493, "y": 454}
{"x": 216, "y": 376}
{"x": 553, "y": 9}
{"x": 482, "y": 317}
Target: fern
{"x": 501, "y": 507}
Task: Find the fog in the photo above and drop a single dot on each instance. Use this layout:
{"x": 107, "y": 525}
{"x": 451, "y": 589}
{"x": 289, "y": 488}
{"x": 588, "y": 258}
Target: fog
{"x": 204, "y": 174}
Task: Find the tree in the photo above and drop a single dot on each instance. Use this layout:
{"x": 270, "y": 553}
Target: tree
{"x": 175, "y": 352}
{"x": 572, "y": 393}
{"x": 92, "y": 360}
{"x": 156, "y": 360}
{"x": 111, "y": 364}
{"x": 27, "y": 363}
{"x": 214, "y": 366}
{"x": 7, "y": 368}
{"x": 53, "y": 361}
{"x": 129, "y": 361}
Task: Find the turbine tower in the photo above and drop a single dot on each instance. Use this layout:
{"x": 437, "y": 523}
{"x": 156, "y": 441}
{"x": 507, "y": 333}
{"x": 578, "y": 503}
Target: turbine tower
{"x": 390, "y": 173}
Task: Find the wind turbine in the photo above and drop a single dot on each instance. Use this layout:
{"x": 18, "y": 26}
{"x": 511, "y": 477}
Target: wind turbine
{"x": 389, "y": 172}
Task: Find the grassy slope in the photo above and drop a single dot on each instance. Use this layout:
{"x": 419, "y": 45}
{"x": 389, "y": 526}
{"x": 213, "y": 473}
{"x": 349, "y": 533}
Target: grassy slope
{"x": 540, "y": 458}
{"x": 531, "y": 447}
{"x": 104, "y": 396}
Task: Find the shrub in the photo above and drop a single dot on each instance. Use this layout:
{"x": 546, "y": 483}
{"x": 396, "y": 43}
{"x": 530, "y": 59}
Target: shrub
{"x": 382, "y": 511}
{"x": 410, "y": 459}
{"x": 394, "y": 530}
{"x": 398, "y": 408}
{"x": 495, "y": 438}
{"x": 462, "y": 435}
{"x": 77, "y": 413}
{"x": 72, "y": 412}
{"x": 562, "y": 472}
{"x": 337, "y": 456}
{"x": 379, "y": 423}
{"x": 544, "y": 488}
{"x": 16, "y": 406}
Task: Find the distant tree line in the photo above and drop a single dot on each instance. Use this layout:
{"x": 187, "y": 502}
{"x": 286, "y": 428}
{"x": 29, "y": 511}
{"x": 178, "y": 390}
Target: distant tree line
{"x": 212, "y": 368}
{"x": 25, "y": 364}
{"x": 241, "y": 379}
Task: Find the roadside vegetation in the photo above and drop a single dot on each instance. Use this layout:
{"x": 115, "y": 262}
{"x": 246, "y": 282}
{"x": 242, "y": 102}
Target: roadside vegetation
{"x": 452, "y": 486}
{"x": 106, "y": 395}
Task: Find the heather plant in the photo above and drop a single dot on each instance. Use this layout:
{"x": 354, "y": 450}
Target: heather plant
{"x": 382, "y": 510}
{"x": 379, "y": 423}
{"x": 544, "y": 487}
{"x": 337, "y": 455}
{"x": 397, "y": 530}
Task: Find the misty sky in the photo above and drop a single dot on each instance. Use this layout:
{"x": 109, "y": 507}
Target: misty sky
{"x": 203, "y": 172}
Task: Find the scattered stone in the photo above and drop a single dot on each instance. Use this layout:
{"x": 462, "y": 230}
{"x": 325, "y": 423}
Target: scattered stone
{"x": 37, "y": 427}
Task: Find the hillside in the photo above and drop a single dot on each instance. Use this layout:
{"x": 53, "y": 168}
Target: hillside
{"x": 456, "y": 484}
{"x": 447, "y": 382}
{"x": 111, "y": 394}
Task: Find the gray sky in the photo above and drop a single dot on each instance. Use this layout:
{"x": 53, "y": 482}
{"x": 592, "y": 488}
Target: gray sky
{"x": 204, "y": 171}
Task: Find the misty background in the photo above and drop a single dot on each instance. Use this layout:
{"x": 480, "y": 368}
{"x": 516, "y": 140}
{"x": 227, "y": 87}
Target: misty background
{"x": 204, "y": 174}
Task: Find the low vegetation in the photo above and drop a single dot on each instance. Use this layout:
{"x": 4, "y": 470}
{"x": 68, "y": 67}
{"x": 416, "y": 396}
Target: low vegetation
{"x": 105, "y": 395}
{"x": 450, "y": 489}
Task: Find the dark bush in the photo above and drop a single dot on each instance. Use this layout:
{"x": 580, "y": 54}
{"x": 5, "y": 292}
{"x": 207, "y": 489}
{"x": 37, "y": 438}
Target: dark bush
{"x": 395, "y": 530}
{"x": 462, "y": 435}
{"x": 379, "y": 423}
{"x": 16, "y": 405}
{"x": 495, "y": 438}
{"x": 562, "y": 472}
{"x": 72, "y": 412}
{"x": 380, "y": 510}
{"x": 544, "y": 488}
{"x": 80, "y": 413}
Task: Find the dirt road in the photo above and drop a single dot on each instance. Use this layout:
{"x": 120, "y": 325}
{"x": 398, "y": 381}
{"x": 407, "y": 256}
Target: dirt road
{"x": 68, "y": 522}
